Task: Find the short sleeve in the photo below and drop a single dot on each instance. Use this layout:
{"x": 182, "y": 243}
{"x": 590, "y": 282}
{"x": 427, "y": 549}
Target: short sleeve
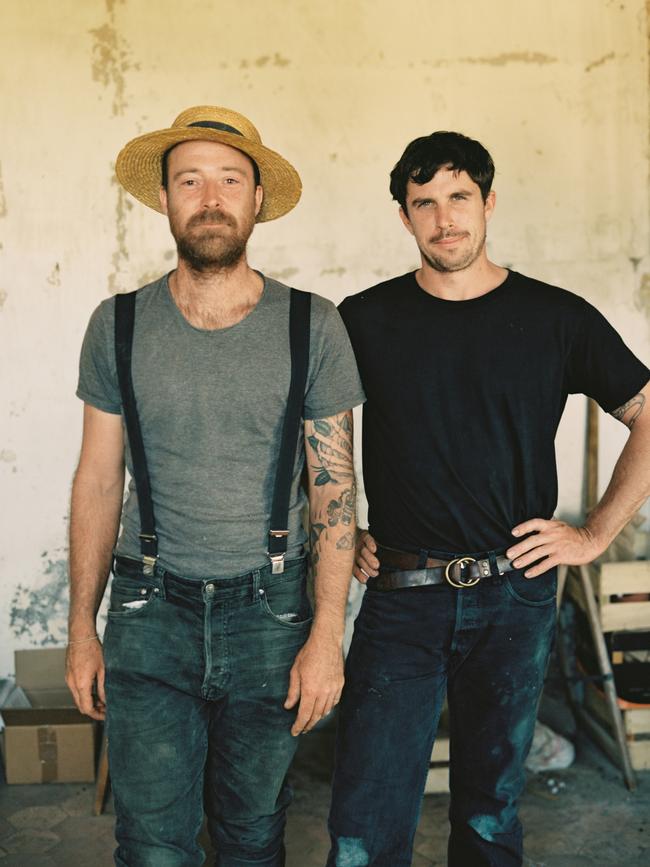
{"x": 333, "y": 383}
{"x": 98, "y": 383}
{"x": 600, "y": 365}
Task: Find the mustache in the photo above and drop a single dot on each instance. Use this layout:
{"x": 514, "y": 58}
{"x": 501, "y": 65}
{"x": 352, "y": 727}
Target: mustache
{"x": 211, "y": 217}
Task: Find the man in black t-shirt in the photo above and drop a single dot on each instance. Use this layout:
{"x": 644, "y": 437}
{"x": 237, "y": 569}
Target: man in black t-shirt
{"x": 467, "y": 367}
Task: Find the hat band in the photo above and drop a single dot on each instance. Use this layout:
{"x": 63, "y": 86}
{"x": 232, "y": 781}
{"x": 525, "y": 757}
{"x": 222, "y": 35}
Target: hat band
{"x": 214, "y": 124}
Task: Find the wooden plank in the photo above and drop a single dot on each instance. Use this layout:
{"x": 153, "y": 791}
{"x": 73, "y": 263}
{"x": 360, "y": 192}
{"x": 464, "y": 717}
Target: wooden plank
{"x": 637, "y": 722}
{"x": 437, "y": 780}
{"x": 440, "y": 752}
{"x": 630, "y": 577}
{"x": 640, "y": 754}
{"x": 618, "y": 616}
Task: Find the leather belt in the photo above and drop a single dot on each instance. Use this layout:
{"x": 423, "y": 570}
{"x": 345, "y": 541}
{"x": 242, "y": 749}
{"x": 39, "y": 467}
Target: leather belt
{"x": 460, "y": 573}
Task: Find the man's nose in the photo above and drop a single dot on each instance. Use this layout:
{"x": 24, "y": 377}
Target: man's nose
{"x": 444, "y": 218}
{"x": 211, "y": 195}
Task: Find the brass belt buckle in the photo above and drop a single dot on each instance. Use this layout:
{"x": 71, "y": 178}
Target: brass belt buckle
{"x": 460, "y": 562}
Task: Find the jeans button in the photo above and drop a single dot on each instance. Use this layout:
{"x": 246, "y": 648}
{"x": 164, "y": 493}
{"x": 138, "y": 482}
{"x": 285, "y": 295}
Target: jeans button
{"x": 209, "y": 588}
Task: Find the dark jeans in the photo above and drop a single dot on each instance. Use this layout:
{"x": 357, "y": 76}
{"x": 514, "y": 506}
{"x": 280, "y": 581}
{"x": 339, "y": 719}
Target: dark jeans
{"x": 487, "y": 648}
{"x": 196, "y": 678}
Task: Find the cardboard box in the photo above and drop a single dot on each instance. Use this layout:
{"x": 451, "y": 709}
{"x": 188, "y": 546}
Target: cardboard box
{"x": 49, "y": 742}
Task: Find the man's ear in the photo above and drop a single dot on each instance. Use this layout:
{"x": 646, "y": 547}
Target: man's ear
{"x": 163, "y": 200}
{"x": 489, "y": 205}
{"x": 259, "y": 198}
{"x": 405, "y": 219}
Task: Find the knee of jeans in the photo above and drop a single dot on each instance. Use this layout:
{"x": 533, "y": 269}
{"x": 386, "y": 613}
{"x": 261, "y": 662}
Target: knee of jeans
{"x": 351, "y": 852}
{"x": 258, "y": 839}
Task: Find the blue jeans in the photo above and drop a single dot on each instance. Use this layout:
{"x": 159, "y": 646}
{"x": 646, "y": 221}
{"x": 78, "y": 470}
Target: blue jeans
{"x": 487, "y": 649}
{"x": 196, "y": 677}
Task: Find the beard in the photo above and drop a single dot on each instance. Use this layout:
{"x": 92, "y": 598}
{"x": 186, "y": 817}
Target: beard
{"x": 446, "y": 264}
{"x": 210, "y": 248}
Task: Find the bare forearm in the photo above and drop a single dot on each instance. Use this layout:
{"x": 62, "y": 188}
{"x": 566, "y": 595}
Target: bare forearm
{"x": 333, "y": 533}
{"x": 94, "y": 522}
{"x": 627, "y": 490}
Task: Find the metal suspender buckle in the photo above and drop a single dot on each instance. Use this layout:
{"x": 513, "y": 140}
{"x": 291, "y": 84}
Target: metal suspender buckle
{"x": 277, "y": 558}
{"x": 149, "y": 560}
{"x": 149, "y": 566}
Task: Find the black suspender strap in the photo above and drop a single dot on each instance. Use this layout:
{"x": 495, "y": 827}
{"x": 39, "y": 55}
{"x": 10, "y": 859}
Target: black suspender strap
{"x": 299, "y": 327}
{"x": 124, "y": 322}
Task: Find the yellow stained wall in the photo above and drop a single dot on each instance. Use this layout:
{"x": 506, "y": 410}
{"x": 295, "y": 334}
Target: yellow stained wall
{"x": 557, "y": 91}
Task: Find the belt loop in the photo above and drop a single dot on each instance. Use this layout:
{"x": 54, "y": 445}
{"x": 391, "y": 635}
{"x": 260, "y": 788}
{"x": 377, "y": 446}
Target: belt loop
{"x": 257, "y": 583}
{"x": 423, "y": 556}
{"x": 494, "y": 568}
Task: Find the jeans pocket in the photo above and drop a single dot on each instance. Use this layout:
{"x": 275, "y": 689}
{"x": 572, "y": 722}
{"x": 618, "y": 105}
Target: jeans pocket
{"x": 286, "y": 602}
{"x": 532, "y": 591}
{"x": 130, "y": 597}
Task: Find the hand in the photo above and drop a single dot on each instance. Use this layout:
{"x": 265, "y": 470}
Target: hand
{"x": 553, "y": 540}
{"x": 84, "y": 666}
{"x": 366, "y": 565}
{"x": 316, "y": 679}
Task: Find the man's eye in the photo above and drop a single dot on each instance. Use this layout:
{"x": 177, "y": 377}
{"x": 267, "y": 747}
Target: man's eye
{"x": 232, "y": 180}
{"x": 459, "y": 196}
{"x": 190, "y": 182}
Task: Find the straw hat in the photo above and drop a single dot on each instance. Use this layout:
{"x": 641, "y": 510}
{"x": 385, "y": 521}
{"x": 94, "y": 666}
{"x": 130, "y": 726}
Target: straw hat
{"x": 139, "y": 163}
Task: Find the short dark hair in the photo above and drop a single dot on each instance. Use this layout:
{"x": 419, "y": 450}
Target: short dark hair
{"x": 164, "y": 177}
{"x": 425, "y": 156}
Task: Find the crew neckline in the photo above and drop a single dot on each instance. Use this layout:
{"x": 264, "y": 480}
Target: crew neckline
{"x": 487, "y": 298}
{"x": 214, "y": 331}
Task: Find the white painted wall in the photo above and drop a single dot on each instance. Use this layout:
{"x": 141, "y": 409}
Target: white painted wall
{"x": 557, "y": 91}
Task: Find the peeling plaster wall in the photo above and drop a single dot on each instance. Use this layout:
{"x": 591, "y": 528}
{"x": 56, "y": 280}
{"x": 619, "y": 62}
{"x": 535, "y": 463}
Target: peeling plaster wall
{"x": 557, "y": 91}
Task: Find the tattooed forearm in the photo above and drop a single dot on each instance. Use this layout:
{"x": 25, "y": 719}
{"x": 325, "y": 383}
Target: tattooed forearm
{"x": 342, "y": 509}
{"x": 346, "y": 542}
{"x": 332, "y": 492}
{"x": 635, "y": 404}
{"x": 340, "y": 514}
{"x": 330, "y": 442}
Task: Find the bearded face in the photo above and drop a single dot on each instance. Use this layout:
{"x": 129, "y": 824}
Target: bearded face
{"x": 211, "y": 200}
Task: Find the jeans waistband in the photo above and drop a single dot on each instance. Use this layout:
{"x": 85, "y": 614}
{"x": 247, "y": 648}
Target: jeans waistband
{"x": 243, "y": 585}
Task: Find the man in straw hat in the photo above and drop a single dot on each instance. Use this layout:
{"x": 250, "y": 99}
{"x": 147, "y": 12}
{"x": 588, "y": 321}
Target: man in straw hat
{"x": 212, "y": 662}
{"x": 467, "y": 367}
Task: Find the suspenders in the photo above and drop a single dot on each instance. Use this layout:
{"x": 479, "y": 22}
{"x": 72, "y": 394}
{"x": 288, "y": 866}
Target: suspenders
{"x": 299, "y": 322}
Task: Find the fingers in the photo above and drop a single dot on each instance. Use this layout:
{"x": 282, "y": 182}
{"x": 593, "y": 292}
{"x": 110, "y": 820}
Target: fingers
{"x": 368, "y": 542}
{"x": 532, "y": 555}
{"x": 544, "y": 566}
{"x": 312, "y": 709}
{"x": 305, "y": 711}
{"x": 293, "y": 693}
{"x": 535, "y": 525}
{"x": 86, "y": 703}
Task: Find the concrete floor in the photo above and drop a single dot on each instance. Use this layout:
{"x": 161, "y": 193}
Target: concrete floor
{"x": 592, "y": 821}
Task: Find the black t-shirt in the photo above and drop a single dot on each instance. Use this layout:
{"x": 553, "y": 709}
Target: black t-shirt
{"x": 463, "y": 402}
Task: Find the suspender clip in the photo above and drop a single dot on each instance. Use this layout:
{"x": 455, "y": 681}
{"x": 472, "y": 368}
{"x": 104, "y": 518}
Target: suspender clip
{"x": 277, "y": 563}
{"x": 149, "y": 564}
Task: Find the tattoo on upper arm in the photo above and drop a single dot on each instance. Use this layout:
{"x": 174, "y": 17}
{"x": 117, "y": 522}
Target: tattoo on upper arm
{"x": 331, "y": 449}
{"x": 635, "y": 404}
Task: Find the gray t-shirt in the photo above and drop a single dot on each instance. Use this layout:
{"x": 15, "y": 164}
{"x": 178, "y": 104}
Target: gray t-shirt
{"x": 211, "y": 406}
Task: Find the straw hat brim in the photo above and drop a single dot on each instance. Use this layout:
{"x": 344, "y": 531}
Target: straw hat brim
{"x": 139, "y": 166}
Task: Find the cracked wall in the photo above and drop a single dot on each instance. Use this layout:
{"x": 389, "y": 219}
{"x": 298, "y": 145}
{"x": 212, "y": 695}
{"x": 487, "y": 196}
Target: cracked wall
{"x": 559, "y": 95}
